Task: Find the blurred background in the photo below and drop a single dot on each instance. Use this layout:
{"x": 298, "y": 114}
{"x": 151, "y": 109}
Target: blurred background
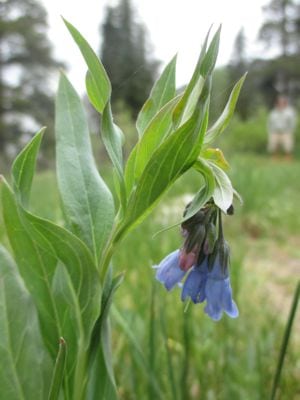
{"x": 160, "y": 351}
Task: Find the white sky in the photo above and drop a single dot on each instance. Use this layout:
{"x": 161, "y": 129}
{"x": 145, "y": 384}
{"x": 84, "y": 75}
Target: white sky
{"x": 174, "y": 26}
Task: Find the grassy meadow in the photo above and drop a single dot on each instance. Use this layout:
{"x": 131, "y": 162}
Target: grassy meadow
{"x": 165, "y": 350}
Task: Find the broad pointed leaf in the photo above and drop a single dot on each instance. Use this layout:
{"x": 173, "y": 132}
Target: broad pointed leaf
{"x": 223, "y": 121}
{"x": 77, "y": 260}
{"x": 98, "y": 84}
{"x": 36, "y": 266}
{"x": 25, "y": 365}
{"x": 87, "y": 201}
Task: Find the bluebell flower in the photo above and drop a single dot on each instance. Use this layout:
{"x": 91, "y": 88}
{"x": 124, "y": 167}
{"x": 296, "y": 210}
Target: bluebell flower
{"x": 194, "y": 285}
{"x": 169, "y": 272}
{"x": 218, "y": 293}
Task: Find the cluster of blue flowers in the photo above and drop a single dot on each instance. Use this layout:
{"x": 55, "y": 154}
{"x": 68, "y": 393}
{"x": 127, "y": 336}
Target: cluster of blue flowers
{"x": 204, "y": 258}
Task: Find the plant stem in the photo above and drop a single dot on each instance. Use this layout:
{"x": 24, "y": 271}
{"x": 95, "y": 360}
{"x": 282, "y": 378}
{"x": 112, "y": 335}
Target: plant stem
{"x": 285, "y": 341}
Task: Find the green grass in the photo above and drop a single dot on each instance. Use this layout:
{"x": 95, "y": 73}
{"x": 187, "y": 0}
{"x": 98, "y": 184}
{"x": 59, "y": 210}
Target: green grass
{"x": 160, "y": 351}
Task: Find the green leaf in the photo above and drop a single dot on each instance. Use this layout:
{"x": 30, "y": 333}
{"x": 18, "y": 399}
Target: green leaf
{"x": 77, "y": 260}
{"x": 159, "y": 127}
{"x": 157, "y": 130}
{"x": 223, "y": 121}
{"x": 25, "y": 364}
{"x": 171, "y": 159}
{"x": 58, "y": 372}
{"x": 76, "y": 291}
{"x": 97, "y": 82}
{"x": 112, "y": 139}
{"x": 36, "y": 266}
{"x": 223, "y": 193}
{"x": 87, "y": 201}
{"x": 162, "y": 92}
{"x": 24, "y": 166}
{"x": 204, "y": 67}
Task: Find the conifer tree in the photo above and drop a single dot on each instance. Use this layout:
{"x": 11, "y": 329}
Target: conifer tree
{"x": 26, "y": 64}
{"x": 125, "y": 54}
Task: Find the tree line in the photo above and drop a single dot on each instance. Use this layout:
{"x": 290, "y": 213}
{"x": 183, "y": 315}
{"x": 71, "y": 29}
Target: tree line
{"x": 27, "y": 65}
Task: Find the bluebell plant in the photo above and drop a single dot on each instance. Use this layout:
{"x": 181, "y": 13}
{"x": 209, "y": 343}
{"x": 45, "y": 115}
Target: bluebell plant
{"x": 60, "y": 282}
{"x": 203, "y": 261}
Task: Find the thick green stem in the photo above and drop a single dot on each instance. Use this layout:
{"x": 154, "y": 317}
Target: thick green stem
{"x": 285, "y": 341}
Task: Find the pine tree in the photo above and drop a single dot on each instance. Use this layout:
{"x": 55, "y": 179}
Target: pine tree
{"x": 125, "y": 55}
{"x": 26, "y": 64}
{"x": 282, "y": 26}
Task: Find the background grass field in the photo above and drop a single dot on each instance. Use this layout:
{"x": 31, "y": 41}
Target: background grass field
{"x": 162, "y": 352}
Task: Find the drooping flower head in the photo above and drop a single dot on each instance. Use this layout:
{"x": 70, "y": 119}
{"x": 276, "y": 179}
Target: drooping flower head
{"x": 204, "y": 258}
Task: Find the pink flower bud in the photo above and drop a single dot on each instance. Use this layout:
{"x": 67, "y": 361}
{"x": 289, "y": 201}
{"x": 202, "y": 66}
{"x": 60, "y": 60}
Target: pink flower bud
{"x": 187, "y": 260}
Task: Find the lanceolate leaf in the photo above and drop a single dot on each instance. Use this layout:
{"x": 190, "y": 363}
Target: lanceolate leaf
{"x": 76, "y": 291}
{"x": 36, "y": 266}
{"x": 87, "y": 201}
{"x": 24, "y": 166}
{"x": 163, "y": 91}
{"x": 159, "y": 127}
{"x": 157, "y": 130}
{"x": 204, "y": 67}
{"x": 98, "y": 84}
{"x": 25, "y": 364}
{"x": 223, "y": 193}
{"x": 77, "y": 260}
{"x": 223, "y": 121}
{"x": 172, "y": 158}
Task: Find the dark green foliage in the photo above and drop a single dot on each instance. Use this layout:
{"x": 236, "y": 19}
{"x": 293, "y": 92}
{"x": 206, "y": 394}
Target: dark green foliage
{"x": 26, "y": 64}
{"x": 125, "y": 56}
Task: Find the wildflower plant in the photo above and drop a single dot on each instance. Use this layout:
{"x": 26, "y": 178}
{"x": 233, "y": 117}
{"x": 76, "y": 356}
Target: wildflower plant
{"x": 57, "y": 288}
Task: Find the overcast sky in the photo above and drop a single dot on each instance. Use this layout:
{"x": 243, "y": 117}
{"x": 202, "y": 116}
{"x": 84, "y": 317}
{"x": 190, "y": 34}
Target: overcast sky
{"x": 174, "y": 26}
